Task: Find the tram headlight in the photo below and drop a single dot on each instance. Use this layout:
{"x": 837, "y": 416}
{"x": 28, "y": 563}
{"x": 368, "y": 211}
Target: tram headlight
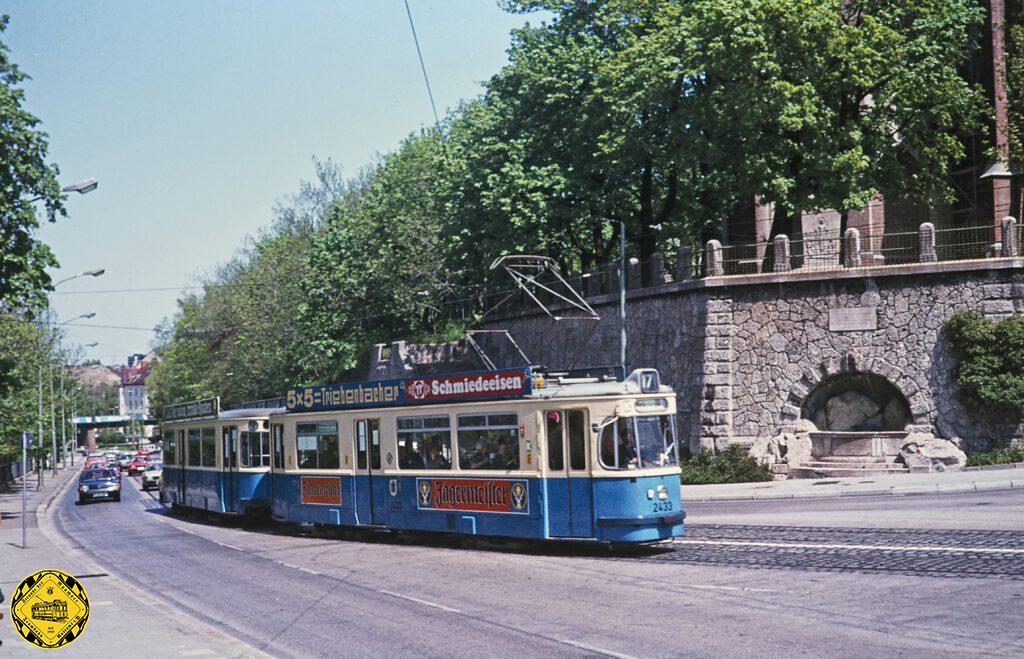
{"x": 662, "y": 492}
{"x": 650, "y": 494}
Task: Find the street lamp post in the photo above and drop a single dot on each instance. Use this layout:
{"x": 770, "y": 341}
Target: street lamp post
{"x": 74, "y": 412}
{"x": 53, "y": 407}
{"x": 999, "y": 171}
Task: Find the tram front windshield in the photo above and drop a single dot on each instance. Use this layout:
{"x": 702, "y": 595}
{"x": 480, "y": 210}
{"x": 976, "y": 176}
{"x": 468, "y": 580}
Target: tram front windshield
{"x": 639, "y": 442}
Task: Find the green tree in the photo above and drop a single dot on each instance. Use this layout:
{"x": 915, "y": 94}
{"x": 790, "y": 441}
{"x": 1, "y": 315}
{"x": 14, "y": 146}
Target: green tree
{"x": 241, "y": 339}
{"x": 811, "y": 104}
{"x": 25, "y": 180}
{"x": 376, "y": 268}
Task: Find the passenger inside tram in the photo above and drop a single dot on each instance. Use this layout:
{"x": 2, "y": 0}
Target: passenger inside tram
{"x": 408, "y": 458}
{"x": 436, "y": 460}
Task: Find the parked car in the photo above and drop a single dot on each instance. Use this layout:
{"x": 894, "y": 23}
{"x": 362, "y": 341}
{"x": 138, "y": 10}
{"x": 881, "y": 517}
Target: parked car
{"x": 99, "y": 484}
{"x": 151, "y": 475}
{"x": 136, "y": 465}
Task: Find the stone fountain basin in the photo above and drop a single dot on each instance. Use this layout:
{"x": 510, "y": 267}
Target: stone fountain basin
{"x": 879, "y": 444}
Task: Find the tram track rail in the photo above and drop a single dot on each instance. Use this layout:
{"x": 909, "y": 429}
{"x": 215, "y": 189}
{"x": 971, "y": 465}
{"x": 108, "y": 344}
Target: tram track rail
{"x": 947, "y": 553}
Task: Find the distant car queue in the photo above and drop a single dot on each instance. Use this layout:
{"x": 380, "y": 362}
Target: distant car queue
{"x": 101, "y": 477}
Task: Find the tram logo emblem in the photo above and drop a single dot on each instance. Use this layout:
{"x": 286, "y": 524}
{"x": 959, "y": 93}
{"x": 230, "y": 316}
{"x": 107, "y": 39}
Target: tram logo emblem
{"x": 417, "y": 389}
{"x": 518, "y": 496}
{"x": 486, "y": 495}
{"x": 424, "y": 493}
{"x": 393, "y": 487}
{"x": 50, "y": 609}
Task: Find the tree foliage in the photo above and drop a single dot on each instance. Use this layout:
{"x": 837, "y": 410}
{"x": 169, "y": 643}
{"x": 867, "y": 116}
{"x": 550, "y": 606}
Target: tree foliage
{"x": 25, "y": 180}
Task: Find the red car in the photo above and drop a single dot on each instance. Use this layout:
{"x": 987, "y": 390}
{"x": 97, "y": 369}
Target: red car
{"x": 137, "y": 465}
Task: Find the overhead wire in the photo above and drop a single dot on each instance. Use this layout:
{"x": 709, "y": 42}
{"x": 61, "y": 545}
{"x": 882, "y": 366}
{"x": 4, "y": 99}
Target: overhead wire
{"x": 423, "y": 67}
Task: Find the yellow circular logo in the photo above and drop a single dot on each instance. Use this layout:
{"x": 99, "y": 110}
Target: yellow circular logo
{"x": 50, "y": 609}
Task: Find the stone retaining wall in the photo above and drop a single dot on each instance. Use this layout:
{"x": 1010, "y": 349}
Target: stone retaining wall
{"x": 744, "y": 352}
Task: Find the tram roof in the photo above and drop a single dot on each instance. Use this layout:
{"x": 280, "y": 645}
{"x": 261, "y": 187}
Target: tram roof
{"x": 251, "y": 412}
{"x": 555, "y": 389}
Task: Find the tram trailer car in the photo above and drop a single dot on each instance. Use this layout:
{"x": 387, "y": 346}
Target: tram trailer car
{"x": 497, "y": 453}
{"x": 217, "y": 461}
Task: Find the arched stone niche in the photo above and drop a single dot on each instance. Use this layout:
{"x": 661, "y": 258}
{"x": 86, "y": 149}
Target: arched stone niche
{"x": 856, "y": 402}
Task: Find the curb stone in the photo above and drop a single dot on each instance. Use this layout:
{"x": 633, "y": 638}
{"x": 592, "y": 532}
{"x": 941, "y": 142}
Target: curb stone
{"x": 972, "y": 486}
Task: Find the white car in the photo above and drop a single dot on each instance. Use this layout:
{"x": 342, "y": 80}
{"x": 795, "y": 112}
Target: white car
{"x": 151, "y": 475}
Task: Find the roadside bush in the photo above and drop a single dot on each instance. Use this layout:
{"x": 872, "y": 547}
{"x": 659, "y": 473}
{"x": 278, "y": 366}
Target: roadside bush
{"x": 990, "y": 361}
{"x": 732, "y": 465}
{"x": 999, "y": 456}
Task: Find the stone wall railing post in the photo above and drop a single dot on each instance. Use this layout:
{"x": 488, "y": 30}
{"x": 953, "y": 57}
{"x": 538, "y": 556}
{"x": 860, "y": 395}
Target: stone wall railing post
{"x": 851, "y": 247}
{"x": 926, "y": 243}
{"x": 781, "y": 261}
{"x": 684, "y": 262}
{"x": 591, "y": 283}
{"x": 612, "y": 280}
{"x": 715, "y": 266}
{"x": 656, "y": 270}
{"x": 1010, "y": 246}
{"x": 633, "y": 274}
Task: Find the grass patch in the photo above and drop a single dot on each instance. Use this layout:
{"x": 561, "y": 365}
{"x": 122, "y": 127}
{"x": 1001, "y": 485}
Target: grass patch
{"x": 731, "y": 465}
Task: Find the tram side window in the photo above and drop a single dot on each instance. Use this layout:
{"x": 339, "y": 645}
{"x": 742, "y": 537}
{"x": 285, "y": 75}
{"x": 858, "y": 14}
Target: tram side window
{"x": 277, "y": 430}
{"x": 170, "y": 446}
{"x": 424, "y": 442}
{"x": 645, "y": 441}
{"x": 193, "y": 447}
{"x": 317, "y": 445}
{"x": 618, "y": 445}
{"x": 488, "y": 441}
{"x": 255, "y": 449}
{"x": 209, "y": 447}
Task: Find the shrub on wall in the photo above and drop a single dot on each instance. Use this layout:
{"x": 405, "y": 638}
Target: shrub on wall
{"x": 1000, "y": 456}
{"x": 732, "y": 465}
{"x": 989, "y": 356}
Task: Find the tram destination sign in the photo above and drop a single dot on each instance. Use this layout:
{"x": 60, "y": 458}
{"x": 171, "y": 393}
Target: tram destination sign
{"x": 196, "y": 409}
{"x": 478, "y": 385}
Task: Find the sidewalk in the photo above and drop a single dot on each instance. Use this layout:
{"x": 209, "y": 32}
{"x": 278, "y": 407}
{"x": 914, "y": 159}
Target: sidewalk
{"x": 898, "y": 484}
{"x": 123, "y": 621}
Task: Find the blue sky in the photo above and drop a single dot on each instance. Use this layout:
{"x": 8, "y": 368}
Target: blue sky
{"x": 196, "y": 116}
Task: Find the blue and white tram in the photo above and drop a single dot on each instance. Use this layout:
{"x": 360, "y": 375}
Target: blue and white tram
{"x": 497, "y": 453}
{"x": 217, "y": 461}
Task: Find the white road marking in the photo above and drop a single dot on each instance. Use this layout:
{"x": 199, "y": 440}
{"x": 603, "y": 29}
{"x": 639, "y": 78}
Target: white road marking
{"x": 740, "y": 588}
{"x": 807, "y": 545}
{"x": 102, "y": 603}
{"x": 296, "y": 567}
{"x": 224, "y": 544}
{"x": 419, "y": 601}
{"x": 306, "y": 569}
{"x": 591, "y": 648}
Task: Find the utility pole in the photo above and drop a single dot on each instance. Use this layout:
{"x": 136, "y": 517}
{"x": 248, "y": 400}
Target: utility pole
{"x": 26, "y": 441}
{"x": 622, "y": 296}
{"x": 53, "y": 408}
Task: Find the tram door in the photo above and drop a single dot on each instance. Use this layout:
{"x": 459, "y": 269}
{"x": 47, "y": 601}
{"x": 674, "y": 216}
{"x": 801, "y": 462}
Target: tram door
{"x": 369, "y": 495}
{"x": 570, "y": 504}
{"x": 230, "y": 475}
{"x": 182, "y": 464}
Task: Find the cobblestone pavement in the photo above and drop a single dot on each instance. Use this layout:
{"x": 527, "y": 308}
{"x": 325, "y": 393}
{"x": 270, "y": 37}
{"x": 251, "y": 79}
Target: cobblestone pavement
{"x": 933, "y": 553}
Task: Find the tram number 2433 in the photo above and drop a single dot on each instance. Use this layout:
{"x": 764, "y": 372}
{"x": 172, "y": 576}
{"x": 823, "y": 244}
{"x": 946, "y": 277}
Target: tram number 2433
{"x": 661, "y": 506}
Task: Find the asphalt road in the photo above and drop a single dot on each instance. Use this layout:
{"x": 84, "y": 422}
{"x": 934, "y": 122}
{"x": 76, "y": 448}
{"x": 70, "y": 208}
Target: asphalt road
{"x": 993, "y": 510}
{"x": 727, "y": 590}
